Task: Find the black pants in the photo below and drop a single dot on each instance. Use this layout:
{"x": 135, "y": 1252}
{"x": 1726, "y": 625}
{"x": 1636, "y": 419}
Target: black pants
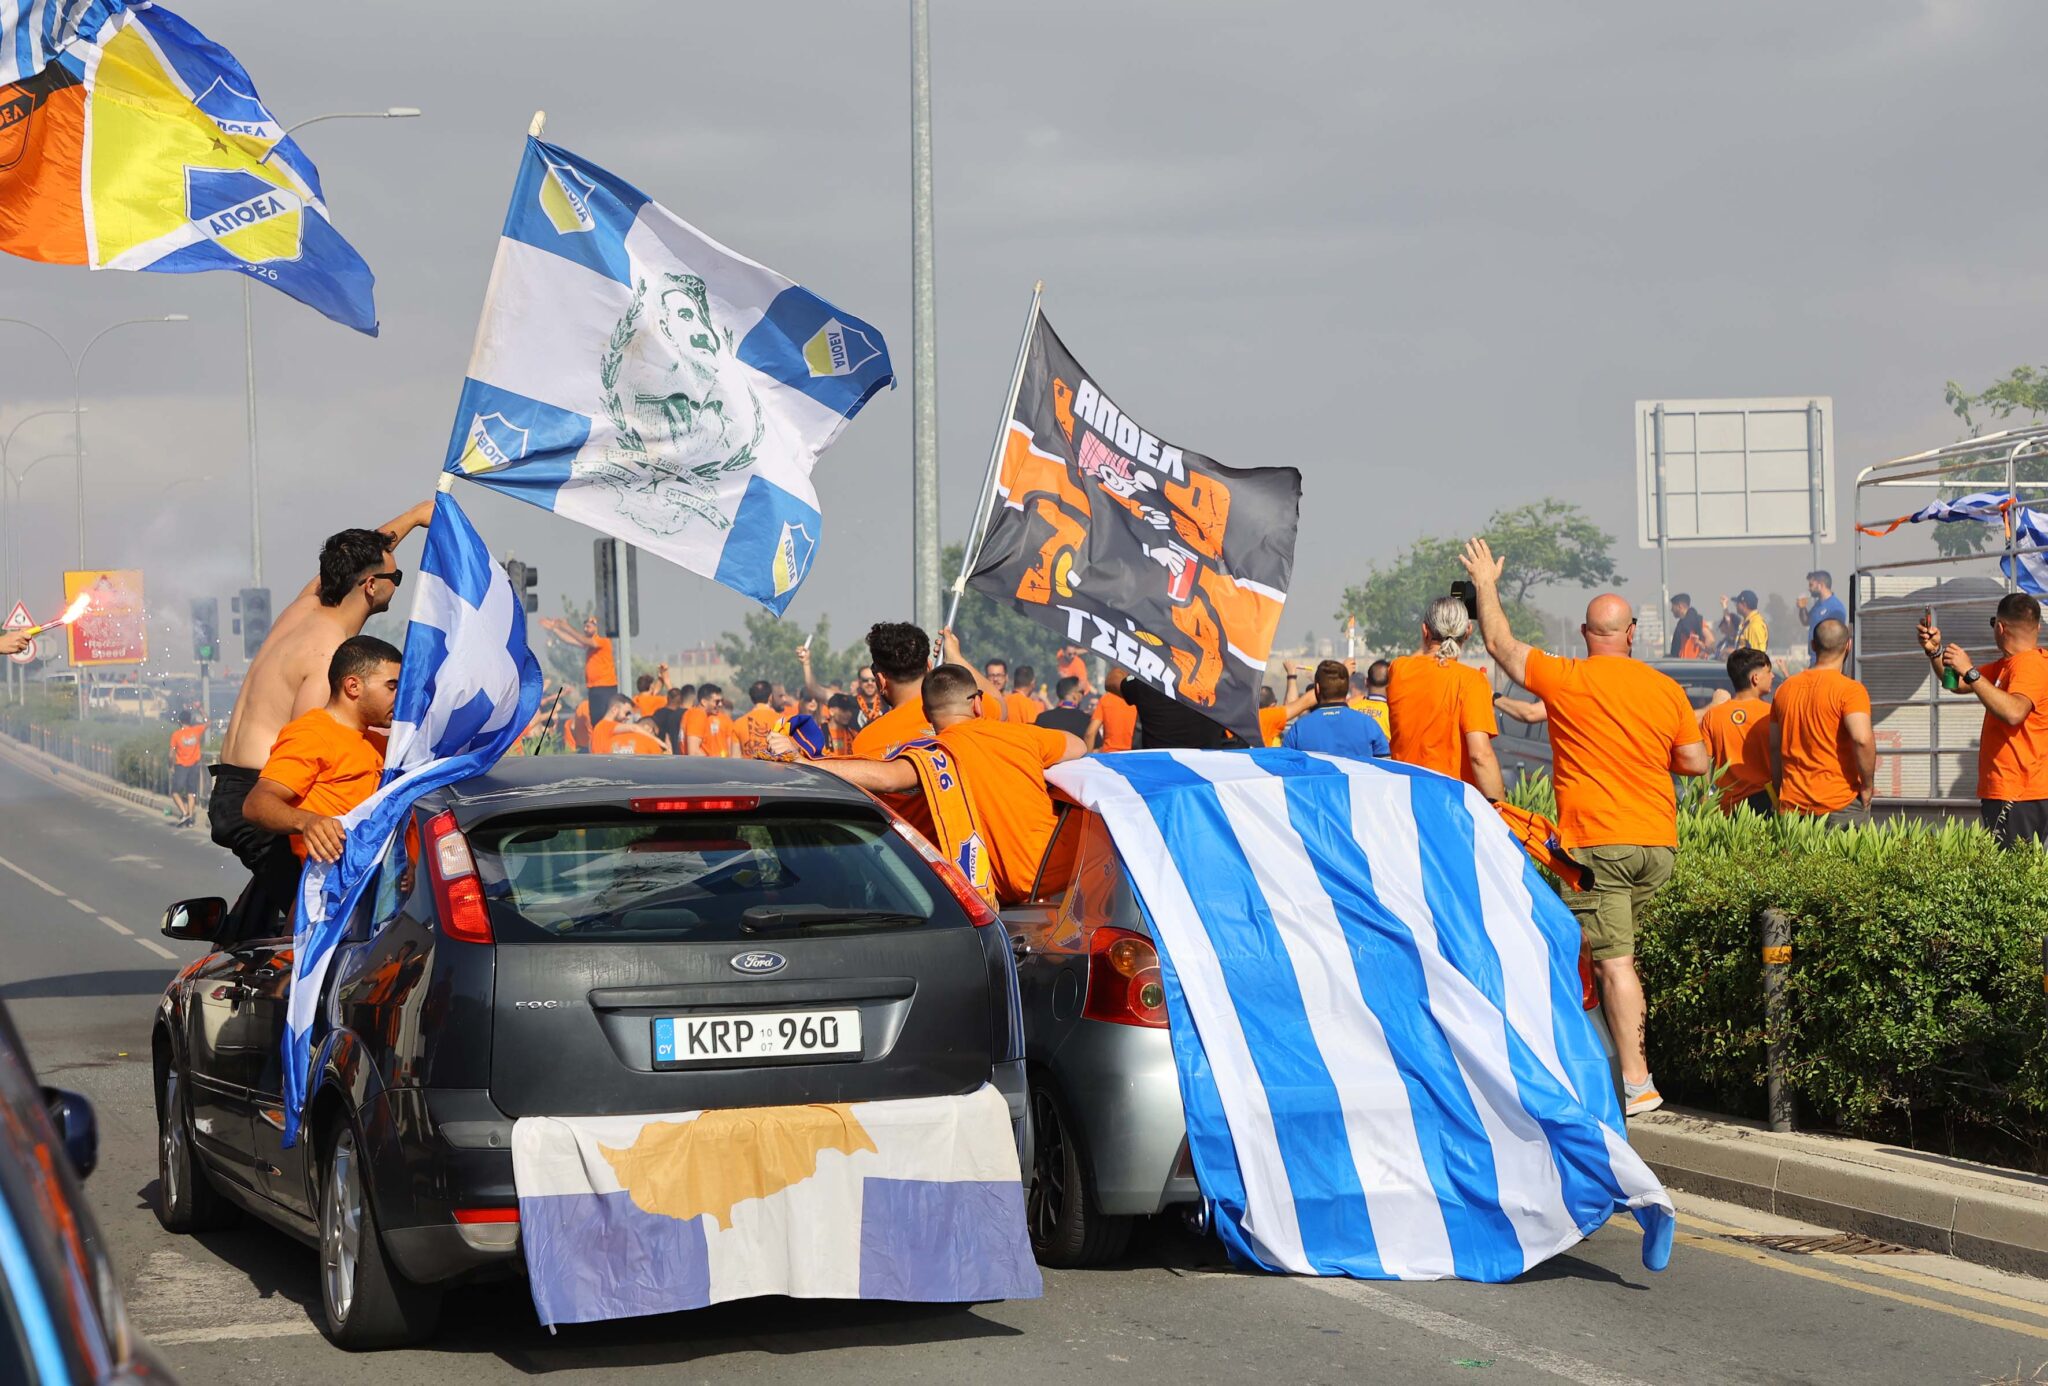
{"x": 2013, "y": 821}
{"x": 263, "y": 910}
{"x": 600, "y": 695}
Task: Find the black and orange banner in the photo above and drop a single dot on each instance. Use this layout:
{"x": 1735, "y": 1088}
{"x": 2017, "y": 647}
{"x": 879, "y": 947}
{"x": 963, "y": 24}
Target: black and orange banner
{"x": 1161, "y": 560}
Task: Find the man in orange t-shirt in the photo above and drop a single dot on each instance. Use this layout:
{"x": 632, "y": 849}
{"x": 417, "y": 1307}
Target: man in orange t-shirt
{"x": 1073, "y": 664}
{"x": 707, "y": 727}
{"x": 1738, "y": 734}
{"x": 901, "y": 655}
{"x": 1272, "y": 716}
{"x": 1022, "y": 704}
{"x": 652, "y": 694}
{"x": 624, "y": 733}
{"x": 2012, "y": 755}
{"x": 1442, "y": 711}
{"x": 1619, "y": 731}
{"x": 1114, "y": 727}
{"x": 752, "y": 728}
{"x": 1823, "y": 753}
{"x": 188, "y": 743}
{"x": 1003, "y": 765}
{"x": 600, "y": 669}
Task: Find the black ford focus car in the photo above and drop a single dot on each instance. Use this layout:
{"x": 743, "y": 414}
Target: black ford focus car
{"x": 569, "y": 935}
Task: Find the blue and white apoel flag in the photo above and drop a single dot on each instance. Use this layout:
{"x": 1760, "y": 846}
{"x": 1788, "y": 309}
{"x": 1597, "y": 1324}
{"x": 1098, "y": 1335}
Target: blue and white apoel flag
{"x": 467, "y": 689}
{"x": 2028, "y": 529}
{"x": 634, "y": 374}
{"x": 1375, "y": 1013}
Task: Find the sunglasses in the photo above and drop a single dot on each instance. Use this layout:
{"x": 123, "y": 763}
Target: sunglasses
{"x": 394, "y": 577}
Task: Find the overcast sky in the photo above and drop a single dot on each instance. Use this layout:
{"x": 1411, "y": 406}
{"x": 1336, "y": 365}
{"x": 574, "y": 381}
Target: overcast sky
{"x": 1430, "y": 255}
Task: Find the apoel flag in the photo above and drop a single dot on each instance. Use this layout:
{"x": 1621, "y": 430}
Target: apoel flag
{"x": 468, "y": 687}
{"x": 635, "y": 375}
{"x": 129, "y": 140}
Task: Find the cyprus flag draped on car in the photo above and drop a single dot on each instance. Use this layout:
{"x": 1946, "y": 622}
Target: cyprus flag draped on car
{"x": 634, "y": 374}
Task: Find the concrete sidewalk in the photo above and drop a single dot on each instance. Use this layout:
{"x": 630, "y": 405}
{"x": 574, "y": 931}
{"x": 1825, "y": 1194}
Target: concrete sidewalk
{"x": 1974, "y": 1212}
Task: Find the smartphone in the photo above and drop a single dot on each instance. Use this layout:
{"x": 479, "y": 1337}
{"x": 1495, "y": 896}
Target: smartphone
{"x": 807, "y": 641}
{"x": 1463, "y": 591}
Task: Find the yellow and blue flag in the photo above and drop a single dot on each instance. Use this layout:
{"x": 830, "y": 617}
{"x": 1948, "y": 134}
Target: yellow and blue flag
{"x": 130, "y": 140}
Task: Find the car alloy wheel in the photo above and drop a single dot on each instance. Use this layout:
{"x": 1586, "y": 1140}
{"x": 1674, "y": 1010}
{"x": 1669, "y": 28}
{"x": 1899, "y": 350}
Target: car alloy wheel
{"x": 1048, "y": 1168}
{"x": 172, "y": 1149}
{"x": 341, "y": 1226}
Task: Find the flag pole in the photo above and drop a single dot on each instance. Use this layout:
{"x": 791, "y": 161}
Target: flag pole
{"x": 995, "y": 458}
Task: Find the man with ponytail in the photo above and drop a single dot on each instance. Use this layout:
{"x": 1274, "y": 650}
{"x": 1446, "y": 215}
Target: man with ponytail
{"x": 1442, "y": 710}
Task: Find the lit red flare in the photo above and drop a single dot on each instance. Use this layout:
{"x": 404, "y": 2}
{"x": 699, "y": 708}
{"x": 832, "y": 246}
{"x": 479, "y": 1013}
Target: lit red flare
{"x": 71, "y": 613}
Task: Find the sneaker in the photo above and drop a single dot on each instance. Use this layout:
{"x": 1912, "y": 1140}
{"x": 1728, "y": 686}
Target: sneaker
{"x": 1648, "y": 1100}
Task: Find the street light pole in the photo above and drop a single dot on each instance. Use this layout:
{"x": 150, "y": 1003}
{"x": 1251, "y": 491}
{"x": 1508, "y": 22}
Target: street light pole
{"x": 924, "y": 343}
{"x": 7, "y": 568}
{"x": 249, "y": 343}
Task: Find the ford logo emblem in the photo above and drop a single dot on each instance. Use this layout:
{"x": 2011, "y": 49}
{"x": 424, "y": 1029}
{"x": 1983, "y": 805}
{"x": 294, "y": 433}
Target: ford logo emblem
{"x": 760, "y": 964}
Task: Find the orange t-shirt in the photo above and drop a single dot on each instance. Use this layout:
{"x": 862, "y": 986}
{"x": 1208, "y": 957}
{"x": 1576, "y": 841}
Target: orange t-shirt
{"x": 1431, "y": 707}
{"x": 1738, "y": 734}
{"x": 187, "y": 743}
{"x": 599, "y": 670}
{"x": 1119, "y": 723}
{"x": 714, "y": 732}
{"x": 751, "y": 728}
{"x": 327, "y": 767}
{"x": 577, "y": 733}
{"x": 1272, "y": 722}
{"x": 630, "y": 739}
{"x": 1614, "y": 722}
{"x": 1023, "y": 709}
{"x": 1820, "y": 764}
{"x": 879, "y": 739}
{"x": 1074, "y": 667}
{"x": 650, "y": 702}
{"x": 2012, "y": 762}
{"x": 1004, "y": 765}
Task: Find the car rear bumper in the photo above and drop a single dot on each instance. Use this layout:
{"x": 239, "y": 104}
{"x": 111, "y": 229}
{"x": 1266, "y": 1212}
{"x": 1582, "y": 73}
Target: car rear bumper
{"x": 457, "y": 1153}
{"x": 1121, "y": 1089}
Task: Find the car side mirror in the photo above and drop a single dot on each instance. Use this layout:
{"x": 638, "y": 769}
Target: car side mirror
{"x": 196, "y": 921}
{"x": 77, "y": 1128}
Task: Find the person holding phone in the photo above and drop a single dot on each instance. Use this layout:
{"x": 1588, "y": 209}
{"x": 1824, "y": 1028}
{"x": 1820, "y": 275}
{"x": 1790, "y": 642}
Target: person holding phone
{"x": 2012, "y": 755}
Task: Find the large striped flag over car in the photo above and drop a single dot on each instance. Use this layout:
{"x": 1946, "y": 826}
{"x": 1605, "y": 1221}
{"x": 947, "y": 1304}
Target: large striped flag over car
{"x": 1375, "y": 1012}
{"x": 467, "y": 689}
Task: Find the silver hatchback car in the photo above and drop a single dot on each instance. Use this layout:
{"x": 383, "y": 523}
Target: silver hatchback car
{"x": 1111, "y": 1135}
{"x": 1111, "y": 1139}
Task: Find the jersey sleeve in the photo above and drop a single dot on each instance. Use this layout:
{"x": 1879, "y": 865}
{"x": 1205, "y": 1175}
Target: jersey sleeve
{"x": 1543, "y": 674}
{"x": 1049, "y": 742}
{"x": 1376, "y": 739}
{"x": 1856, "y": 698}
{"x": 1475, "y": 707}
{"x": 295, "y": 761}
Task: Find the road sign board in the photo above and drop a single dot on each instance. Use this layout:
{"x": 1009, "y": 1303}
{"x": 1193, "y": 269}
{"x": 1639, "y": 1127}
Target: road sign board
{"x": 1736, "y": 471}
{"x": 18, "y": 619}
{"x": 29, "y": 653}
{"x": 114, "y": 628}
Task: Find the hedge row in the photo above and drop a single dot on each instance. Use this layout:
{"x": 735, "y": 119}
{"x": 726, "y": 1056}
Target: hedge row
{"x": 1917, "y": 1011}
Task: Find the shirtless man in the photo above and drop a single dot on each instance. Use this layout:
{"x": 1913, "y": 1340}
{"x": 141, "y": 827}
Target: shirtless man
{"x": 288, "y": 677}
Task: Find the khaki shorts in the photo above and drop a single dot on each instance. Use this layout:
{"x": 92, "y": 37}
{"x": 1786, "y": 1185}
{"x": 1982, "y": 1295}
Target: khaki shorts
{"x": 1624, "y": 879}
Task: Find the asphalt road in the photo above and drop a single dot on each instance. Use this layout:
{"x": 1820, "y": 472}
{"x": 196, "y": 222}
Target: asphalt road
{"x": 83, "y": 881}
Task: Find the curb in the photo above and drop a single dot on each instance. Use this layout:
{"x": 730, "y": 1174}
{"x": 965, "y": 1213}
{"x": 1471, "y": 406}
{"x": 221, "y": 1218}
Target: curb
{"x": 1973, "y": 1212}
{"x": 81, "y": 778}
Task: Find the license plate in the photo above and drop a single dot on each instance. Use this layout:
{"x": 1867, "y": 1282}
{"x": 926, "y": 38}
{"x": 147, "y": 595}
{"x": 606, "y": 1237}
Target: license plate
{"x": 708, "y": 1039}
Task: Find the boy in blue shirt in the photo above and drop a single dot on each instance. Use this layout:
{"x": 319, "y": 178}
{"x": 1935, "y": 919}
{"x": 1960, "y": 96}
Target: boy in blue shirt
{"x": 1332, "y": 726}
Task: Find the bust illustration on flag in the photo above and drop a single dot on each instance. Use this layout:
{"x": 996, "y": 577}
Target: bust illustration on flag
{"x": 633, "y": 374}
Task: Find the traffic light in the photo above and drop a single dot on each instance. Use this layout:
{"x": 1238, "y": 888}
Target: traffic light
{"x": 525, "y": 579}
{"x": 605, "y": 551}
{"x": 254, "y": 604}
{"x": 206, "y": 629}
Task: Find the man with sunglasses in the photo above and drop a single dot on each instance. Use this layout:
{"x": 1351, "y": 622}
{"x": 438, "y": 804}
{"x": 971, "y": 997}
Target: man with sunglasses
{"x": 288, "y": 677}
{"x": 2012, "y": 755}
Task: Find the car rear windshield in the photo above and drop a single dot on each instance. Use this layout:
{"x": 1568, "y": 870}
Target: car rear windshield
{"x": 704, "y": 876}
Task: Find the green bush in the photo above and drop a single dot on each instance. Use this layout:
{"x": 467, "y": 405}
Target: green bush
{"x": 1916, "y": 1007}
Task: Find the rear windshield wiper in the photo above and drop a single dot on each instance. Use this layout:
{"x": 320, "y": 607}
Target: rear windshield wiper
{"x": 764, "y": 919}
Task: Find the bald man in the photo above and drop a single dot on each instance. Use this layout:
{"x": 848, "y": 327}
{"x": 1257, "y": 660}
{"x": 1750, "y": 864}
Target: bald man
{"x": 1619, "y": 731}
{"x": 1823, "y": 751}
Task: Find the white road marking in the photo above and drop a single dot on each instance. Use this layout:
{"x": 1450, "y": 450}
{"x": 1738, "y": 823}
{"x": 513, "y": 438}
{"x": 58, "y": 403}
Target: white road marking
{"x": 158, "y": 949}
{"x": 231, "y": 1331}
{"x": 30, "y": 878}
{"x": 1477, "y": 1335}
{"x": 80, "y": 905}
{"x": 118, "y": 927}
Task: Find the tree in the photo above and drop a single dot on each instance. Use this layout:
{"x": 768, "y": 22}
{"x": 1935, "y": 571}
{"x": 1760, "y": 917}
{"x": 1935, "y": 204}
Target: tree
{"x": 766, "y": 649}
{"x": 2021, "y": 390}
{"x": 1546, "y": 543}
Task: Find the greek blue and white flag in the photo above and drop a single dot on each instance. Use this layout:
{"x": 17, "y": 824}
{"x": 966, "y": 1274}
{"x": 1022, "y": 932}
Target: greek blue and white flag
{"x": 633, "y": 374}
{"x": 467, "y": 689}
{"x": 2028, "y": 529}
{"x": 1375, "y": 1012}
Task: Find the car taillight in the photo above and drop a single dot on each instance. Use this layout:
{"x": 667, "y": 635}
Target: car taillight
{"x": 458, "y": 894}
{"x": 962, "y": 890}
{"x": 698, "y": 803}
{"x": 1124, "y": 983}
{"x": 477, "y": 1215}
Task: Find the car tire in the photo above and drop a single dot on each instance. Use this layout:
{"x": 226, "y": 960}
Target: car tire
{"x": 1067, "y": 1228}
{"x": 365, "y": 1302}
{"x": 186, "y": 1200}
